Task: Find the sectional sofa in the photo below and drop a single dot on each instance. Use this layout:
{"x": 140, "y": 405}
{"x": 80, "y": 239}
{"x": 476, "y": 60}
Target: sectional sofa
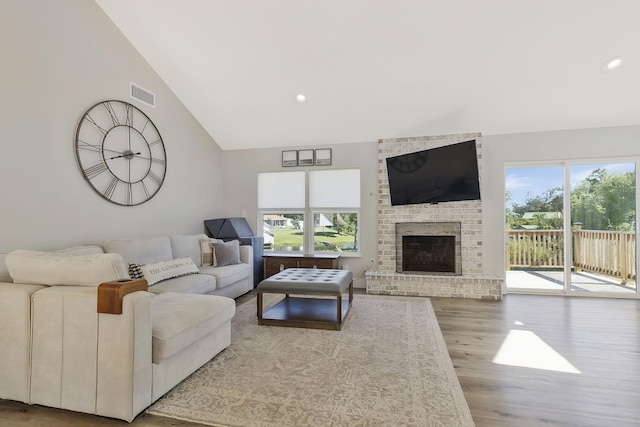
{"x": 58, "y": 350}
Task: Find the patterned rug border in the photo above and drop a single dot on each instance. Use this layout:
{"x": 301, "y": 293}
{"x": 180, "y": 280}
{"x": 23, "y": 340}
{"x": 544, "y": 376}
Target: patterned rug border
{"x": 444, "y": 406}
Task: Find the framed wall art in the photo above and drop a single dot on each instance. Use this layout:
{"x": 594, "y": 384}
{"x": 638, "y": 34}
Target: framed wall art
{"x": 323, "y": 157}
{"x": 305, "y": 157}
{"x": 289, "y": 158}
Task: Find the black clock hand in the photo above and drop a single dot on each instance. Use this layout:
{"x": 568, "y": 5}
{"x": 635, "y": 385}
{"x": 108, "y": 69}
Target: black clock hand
{"x": 127, "y": 155}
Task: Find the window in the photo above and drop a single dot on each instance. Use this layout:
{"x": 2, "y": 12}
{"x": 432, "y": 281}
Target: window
{"x": 335, "y": 232}
{"x": 314, "y": 209}
{"x": 281, "y": 202}
{"x": 334, "y": 200}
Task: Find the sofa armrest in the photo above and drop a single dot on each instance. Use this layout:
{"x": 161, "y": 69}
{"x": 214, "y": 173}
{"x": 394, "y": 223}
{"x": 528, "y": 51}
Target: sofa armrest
{"x": 110, "y": 294}
{"x": 87, "y": 361}
{"x": 15, "y": 340}
{"x": 246, "y": 254}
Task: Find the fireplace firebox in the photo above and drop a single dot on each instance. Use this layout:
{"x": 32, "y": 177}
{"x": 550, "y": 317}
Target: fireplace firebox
{"x": 428, "y": 248}
{"x": 431, "y": 254}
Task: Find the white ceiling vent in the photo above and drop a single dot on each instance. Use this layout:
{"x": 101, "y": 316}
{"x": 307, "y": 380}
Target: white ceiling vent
{"x": 142, "y": 95}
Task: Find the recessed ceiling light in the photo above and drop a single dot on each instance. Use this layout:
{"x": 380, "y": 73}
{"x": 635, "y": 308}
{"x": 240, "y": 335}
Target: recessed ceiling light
{"x": 613, "y": 63}
{"x": 301, "y": 98}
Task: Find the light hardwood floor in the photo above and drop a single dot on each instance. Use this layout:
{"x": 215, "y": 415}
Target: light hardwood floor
{"x": 598, "y": 339}
{"x": 595, "y": 341}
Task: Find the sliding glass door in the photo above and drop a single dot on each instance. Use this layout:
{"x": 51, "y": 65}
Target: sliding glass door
{"x": 534, "y": 205}
{"x": 571, "y": 228}
{"x": 603, "y": 214}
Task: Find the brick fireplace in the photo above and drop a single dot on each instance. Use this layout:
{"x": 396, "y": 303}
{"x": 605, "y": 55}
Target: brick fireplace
{"x": 461, "y": 277}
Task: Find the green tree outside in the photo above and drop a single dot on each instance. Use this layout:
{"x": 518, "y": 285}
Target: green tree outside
{"x": 602, "y": 201}
{"x": 605, "y": 201}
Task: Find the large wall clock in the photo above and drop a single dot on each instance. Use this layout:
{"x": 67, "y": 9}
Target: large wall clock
{"x": 120, "y": 153}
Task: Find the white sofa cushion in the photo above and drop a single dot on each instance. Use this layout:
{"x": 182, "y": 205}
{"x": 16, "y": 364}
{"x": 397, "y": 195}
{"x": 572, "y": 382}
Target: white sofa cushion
{"x": 229, "y": 274}
{"x": 80, "y": 250}
{"x": 191, "y": 284}
{"x": 50, "y": 268}
{"x": 180, "y": 320}
{"x": 187, "y": 245}
{"x": 141, "y": 250}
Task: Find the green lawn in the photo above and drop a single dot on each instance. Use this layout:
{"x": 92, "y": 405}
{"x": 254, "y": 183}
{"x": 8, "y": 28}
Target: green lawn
{"x": 326, "y": 239}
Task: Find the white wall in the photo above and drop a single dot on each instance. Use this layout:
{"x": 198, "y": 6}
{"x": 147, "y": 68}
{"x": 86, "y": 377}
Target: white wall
{"x": 498, "y": 150}
{"x": 58, "y": 59}
{"x": 241, "y": 170}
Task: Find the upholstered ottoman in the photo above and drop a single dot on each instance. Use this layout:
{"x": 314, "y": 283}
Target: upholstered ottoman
{"x": 318, "y": 312}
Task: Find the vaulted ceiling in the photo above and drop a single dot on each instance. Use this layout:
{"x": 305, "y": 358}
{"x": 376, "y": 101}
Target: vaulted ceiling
{"x": 372, "y": 69}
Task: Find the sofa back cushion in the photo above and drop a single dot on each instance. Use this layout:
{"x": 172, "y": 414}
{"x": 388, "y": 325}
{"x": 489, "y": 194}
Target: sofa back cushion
{"x": 142, "y": 250}
{"x": 80, "y": 250}
{"x": 50, "y": 268}
{"x": 184, "y": 246}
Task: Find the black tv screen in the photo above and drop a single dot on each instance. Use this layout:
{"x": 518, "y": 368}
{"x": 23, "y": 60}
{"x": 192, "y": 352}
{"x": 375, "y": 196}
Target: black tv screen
{"x": 442, "y": 174}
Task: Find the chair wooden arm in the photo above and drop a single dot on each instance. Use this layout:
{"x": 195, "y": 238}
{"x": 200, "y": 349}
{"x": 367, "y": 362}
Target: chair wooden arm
{"x": 110, "y": 294}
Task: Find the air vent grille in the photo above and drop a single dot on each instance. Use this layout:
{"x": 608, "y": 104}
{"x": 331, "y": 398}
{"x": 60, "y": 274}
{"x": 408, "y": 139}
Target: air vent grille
{"x": 142, "y": 95}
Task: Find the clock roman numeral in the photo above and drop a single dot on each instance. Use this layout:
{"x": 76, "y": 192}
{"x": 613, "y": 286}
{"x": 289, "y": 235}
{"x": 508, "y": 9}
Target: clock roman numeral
{"x": 155, "y": 177}
{"x": 89, "y": 147}
{"x": 128, "y": 121}
{"x": 95, "y": 170}
{"x": 145, "y": 126}
{"x": 159, "y": 161}
{"x": 145, "y": 189}
{"x": 88, "y": 118}
{"x": 111, "y": 188}
{"x": 129, "y": 194}
{"x": 112, "y": 113}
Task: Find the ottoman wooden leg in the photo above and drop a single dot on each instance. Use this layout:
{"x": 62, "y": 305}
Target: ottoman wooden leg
{"x": 259, "y": 303}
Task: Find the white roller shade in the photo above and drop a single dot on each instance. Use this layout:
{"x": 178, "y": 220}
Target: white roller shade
{"x": 334, "y": 188}
{"x": 281, "y": 190}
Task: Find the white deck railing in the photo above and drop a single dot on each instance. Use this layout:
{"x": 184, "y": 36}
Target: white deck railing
{"x": 608, "y": 252}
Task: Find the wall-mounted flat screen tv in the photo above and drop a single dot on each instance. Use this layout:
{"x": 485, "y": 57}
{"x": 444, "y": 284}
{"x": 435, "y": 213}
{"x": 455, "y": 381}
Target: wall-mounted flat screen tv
{"x": 442, "y": 174}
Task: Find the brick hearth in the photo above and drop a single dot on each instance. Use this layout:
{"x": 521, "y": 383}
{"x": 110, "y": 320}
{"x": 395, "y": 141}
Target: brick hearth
{"x": 473, "y": 282}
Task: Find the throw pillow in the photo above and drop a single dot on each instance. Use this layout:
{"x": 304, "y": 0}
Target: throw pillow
{"x": 135, "y": 271}
{"x": 214, "y": 261}
{"x": 227, "y": 253}
{"x": 156, "y": 272}
{"x": 206, "y": 251}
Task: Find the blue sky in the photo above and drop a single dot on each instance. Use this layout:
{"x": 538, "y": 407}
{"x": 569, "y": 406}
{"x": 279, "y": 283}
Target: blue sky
{"x": 534, "y": 181}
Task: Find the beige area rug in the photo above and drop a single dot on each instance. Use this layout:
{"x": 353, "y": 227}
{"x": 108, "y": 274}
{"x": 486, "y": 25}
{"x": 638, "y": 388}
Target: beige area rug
{"x": 389, "y": 366}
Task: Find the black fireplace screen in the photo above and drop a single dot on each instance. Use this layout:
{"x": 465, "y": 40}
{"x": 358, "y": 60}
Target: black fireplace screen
{"x": 432, "y": 254}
